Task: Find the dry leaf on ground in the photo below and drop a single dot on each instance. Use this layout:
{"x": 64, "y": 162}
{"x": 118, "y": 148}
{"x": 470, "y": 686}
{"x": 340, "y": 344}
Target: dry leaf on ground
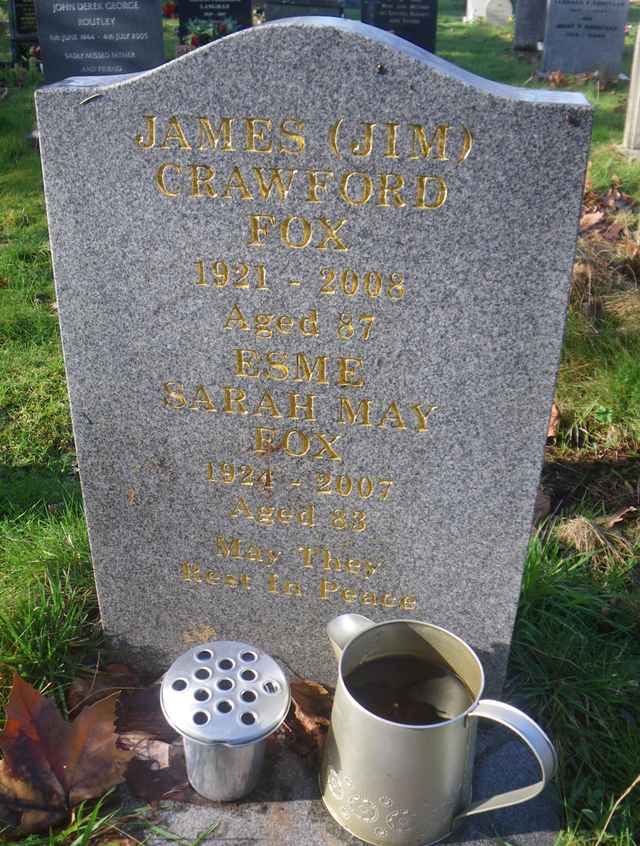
{"x": 86, "y": 690}
{"x": 305, "y": 728}
{"x": 554, "y": 421}
{"x": 50, "y": 765}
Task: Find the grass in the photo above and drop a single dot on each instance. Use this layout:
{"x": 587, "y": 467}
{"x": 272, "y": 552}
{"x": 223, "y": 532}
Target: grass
{"x": 576, "y": 655}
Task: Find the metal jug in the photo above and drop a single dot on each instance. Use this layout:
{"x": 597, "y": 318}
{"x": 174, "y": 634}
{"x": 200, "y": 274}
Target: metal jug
{"x": 392, "y": 783}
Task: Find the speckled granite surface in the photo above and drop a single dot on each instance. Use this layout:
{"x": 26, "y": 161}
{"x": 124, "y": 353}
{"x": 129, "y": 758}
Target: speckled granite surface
{"x": 379, "y": 452}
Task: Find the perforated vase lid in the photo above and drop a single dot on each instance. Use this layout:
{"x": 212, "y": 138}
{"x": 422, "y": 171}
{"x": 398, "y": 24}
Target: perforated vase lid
{"x": 225, "y": 691}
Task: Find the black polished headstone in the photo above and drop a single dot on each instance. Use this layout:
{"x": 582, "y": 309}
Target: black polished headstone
{"x": 202, "y": 21}
{"x": 277, "y": 9}
{"x": 22, "y": 14}
{"x": 99, "y": 38}
{"x": 414, "y": 20}
{"x": 23, "y": 28}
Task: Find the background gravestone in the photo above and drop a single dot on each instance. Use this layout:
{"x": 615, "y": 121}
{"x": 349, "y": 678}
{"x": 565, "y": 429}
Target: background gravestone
{"x": 284, "y": 9}
{"x": 414, "y": 20}
{"x": 311, "y": 319}
{"x": 103, "y": 37}
{"x": 531, "y": 16}
{"x": 23, "y": 26}
{"x": 498, "y": 12}
{"x": 202, "y": 21}
{"x": 582, "y": 36}
{"x": 475, "y": 10}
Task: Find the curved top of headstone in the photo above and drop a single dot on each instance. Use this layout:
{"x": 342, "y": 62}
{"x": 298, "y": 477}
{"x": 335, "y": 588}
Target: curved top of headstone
{"x": 316, "y": 28}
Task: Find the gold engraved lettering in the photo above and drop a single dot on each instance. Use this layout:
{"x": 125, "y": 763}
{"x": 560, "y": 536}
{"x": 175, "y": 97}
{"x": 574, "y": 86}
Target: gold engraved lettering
{"x": 393, "y": 414}
{"x": 467, "y": 144}
{"x": 258, "y": 132}
{"x": 422, "y": 189}
{"x": 308, "y": 409}
{"x": 268, "y": 406}
{"x": 329, "y": 589}
{"x": 313, "y": 556}
{"x": 234, "y": 396}
{"x": 364, "y": 146}
{"x": 160, "y": 178}
{"x": 392, "y": 140}
{"x": 239, "y": 549}
{"x": 394, "y": 189}
{"x": 423, "y": 416}
{"x": 202, "y": 400}
{"x": 348, "y": 377}
{"x": 236, "y": 183}
{"x": 267, "y": 515}
{"x": 297, "y": 444}
{"x": 174, "y": 395}
{"x": 350, "y": 417}
{"x": 305, "y": 233}
{"x": 275, "y": 181}
{"x": 209, "y": 138}
{"x": 304, "y": 372}
{"x": 317, "y": 180}
{"x": 366, "y": 189}
{"x": 201, "y": 178}
{"x": 421, "y": 148}
{"x": 333, "y": 138}
{"x": 174, "y": 132}
{"x": 236, "y": 320}
{"x": 296, "y": 136}
{"x": 288, "y": 587}
{"x": 193, "y": 572}
{"x": 151, "y": 132}
{"x": 259, "y": 229}
{"x": 330, "y": 234}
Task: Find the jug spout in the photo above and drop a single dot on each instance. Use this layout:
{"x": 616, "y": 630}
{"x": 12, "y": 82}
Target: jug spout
{"x": 342, "y": 629}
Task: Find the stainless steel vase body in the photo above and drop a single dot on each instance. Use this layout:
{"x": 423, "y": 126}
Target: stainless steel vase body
{"x": 222, "y": 772}
{"x": 390, "y": 783}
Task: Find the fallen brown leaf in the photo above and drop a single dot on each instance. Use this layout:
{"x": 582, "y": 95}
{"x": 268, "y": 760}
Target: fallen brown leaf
{"x": 590, "y": 219}
{"x": 620, "y": 516}
{"x": 305, "y": 728}
{"x": 554, "y": 421}
{"x": 50, "y": 765}
{"x": 86, "y": 690}
{"x": 140, "y": 711}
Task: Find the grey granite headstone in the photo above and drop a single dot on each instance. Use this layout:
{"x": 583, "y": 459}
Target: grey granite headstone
{"x": 311, "y": 316}
{"x": 531, "y": 16}
{"x": 582, "y": 36}
{"x": 498, "y": 12}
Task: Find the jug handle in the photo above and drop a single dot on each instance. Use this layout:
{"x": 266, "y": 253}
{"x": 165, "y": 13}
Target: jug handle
{"x": 342, "y": 629}
{"x": 536, "y": 740}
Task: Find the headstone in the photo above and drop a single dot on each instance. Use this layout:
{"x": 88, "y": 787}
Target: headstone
{"x": 498, "y": 12}
{"x": 476, "y": 10}
{"x": 275, "y": 10}
{"x": 23, "y": 25}
{"x": 202, "y": 21}
{"x": 414, "y": 20}
{"x": 631, "y": 138}
{"x": 582, "y": 36}
{"x": 311, "y": 317}
{"x": 531, "y": 16}
{"x": 99, "y": 38}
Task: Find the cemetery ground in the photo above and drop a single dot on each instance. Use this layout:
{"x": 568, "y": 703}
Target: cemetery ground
{"x": 576, "y": 659}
